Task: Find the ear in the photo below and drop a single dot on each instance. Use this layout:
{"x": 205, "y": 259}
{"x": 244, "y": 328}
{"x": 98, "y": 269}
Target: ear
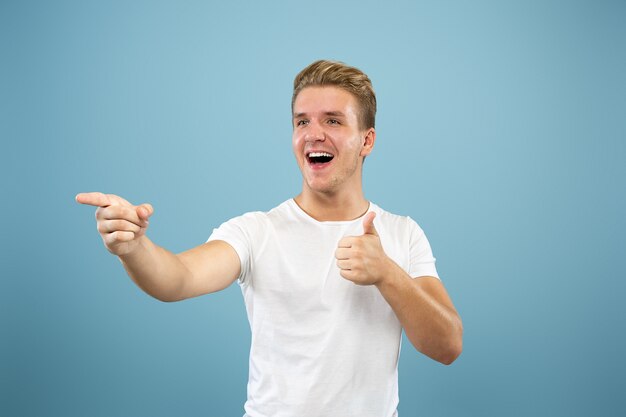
{"x": 368, "y": 141}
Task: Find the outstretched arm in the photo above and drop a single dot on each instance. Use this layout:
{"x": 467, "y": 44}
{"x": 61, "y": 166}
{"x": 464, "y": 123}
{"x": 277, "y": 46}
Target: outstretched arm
{"x": 168, "y": 277}
{"x": 422, "y": 304}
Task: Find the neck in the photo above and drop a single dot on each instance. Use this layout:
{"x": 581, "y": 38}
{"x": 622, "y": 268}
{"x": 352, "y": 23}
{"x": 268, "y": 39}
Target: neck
{"x": 332, "y": 207}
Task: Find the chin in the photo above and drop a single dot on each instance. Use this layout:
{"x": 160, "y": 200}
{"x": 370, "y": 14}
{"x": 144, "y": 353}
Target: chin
{"x": 322, "y": 188}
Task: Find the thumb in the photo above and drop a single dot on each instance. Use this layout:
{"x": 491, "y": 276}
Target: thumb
{"x": 144, "y": 211}
{"x": 368, "y": 224}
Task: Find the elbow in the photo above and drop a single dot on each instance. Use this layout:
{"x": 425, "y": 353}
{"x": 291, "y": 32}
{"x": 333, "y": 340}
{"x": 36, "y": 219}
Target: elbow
{"x": 446, "y": 348}
{"x": 165, "y": 294}
{"x": 454, "y": 347}
{"x": 451, "y": 355}
{"x": 167, "y": 298}
{"x": 445, "y": 352}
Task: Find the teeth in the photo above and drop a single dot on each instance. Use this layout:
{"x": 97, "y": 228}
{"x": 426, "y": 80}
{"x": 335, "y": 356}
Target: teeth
{"x": 319, "y": 154}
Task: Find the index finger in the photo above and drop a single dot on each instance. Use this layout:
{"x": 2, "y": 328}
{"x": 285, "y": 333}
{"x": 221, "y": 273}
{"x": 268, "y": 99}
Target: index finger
{"x": 93, "y": 199}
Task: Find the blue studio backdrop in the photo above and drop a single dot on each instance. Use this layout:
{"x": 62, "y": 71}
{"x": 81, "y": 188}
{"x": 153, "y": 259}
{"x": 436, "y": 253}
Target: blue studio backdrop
{"x": 501, "y": 129}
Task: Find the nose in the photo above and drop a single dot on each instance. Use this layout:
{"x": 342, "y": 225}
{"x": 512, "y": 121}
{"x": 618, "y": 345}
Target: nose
{"x": 314, "y": 133}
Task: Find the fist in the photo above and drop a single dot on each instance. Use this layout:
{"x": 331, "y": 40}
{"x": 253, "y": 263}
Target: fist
{"x": 120, "y": 224}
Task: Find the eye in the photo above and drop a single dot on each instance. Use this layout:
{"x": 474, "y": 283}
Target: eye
{"x": 302, "y": 122}
{"x": 333, "y": 122}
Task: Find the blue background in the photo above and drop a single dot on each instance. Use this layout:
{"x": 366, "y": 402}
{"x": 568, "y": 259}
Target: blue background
{"x": 501, "y": 130}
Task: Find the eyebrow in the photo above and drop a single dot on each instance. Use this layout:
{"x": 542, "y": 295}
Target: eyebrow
{"x": 326, "y": 113}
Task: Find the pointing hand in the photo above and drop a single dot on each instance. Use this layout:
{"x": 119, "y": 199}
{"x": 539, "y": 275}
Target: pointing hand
{"x": 361, "y": 259}
{"x": 120, "y": 223}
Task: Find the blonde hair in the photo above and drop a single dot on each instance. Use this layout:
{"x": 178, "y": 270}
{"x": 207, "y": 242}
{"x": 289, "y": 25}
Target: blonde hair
{"x": 334, "y": 73}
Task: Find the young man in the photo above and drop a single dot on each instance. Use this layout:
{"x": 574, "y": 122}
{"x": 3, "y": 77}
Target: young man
{"x": 329, "y": 279}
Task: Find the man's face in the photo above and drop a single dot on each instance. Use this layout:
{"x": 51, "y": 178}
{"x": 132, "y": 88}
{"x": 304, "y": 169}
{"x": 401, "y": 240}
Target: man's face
{"x": 328, "y": 142}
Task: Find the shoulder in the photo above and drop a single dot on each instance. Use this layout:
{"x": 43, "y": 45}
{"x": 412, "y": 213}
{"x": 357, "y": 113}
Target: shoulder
{"x": 402, "y": 227}
{"x": 388, "y": 219}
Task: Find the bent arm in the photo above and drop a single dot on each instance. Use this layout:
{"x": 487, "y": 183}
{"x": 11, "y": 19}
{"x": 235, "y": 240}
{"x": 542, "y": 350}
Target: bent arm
{"x": 204, "y": 269}
{"x": 422, "y": 304}
{"x": 426, "y": 313}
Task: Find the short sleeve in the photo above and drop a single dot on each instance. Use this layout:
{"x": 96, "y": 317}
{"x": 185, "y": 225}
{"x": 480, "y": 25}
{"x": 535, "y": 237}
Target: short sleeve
{"x": 421, "y": 259}
{"x": 237, "y": 232}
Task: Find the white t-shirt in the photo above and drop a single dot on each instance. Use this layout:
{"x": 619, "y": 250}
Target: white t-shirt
{"x": 322, "y": 346}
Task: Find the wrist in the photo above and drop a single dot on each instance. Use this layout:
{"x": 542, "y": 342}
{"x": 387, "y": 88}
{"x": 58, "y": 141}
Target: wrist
{"x": 390, "y": 273}
{"x": 135, "y": 250}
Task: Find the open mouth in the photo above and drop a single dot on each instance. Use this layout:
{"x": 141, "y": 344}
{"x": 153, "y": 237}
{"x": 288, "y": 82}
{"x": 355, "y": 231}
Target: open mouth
{"x": 315, "y": 158}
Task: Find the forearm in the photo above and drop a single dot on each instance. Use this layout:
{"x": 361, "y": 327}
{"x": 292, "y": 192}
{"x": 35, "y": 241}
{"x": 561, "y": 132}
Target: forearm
{"x": 155, "y": 270}
{"x": 434, "y": 328}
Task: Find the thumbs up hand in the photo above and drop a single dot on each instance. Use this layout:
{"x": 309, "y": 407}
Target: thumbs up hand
{"x": 361, "y": 259}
